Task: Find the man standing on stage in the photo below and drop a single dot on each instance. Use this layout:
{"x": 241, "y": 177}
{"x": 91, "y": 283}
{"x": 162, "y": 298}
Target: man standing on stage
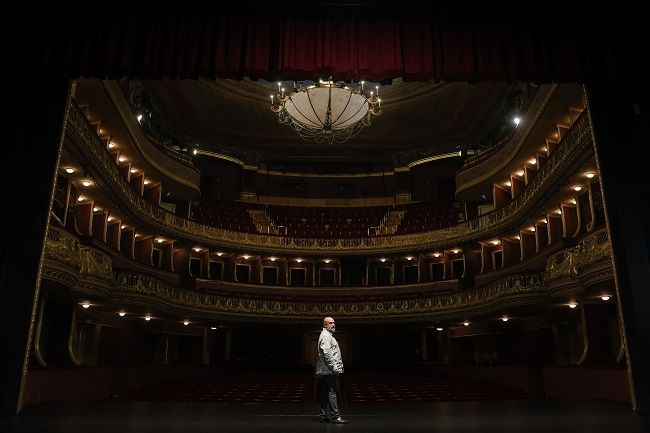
{"x": 329, "y": 366}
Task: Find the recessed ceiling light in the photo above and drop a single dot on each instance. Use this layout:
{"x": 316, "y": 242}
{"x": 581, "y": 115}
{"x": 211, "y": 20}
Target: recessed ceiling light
{"x": 81, "y": 198}
{"x": 213, "y": 327}
{"x": 409, "y": 258}
{"x": 520, "y": 173}
{"x": 134, "y": 170}
{"x": 456, "y": 251}
{"x": 147, "y": 181}
{"x": 95, "y": 209}
{"x": 573, "y": 304}
{"x": 86, "y": 183}
{"x": 532, "y": 229}
{"x": 605, "y": 298}
{"x": 219, "y": 254}
{"x": 110, "y": 218}
{"x": 147, "y": 318}
{"x": 121, "y": 314}
{"x": 573, "y": 201}
{"x": 86, "y": 305}
{"x": 590, "y": 175}
{"x": 516, "y": 120}
{"x": 436, "y": 255}
{"x": 123, "y": 226}
{"x": 466, "y": 323}
{"x": 577, "y": 188}
{"x": 69, "y": 170}
{"x": 382, "y": 260}
{"x": 532, "y": 161}
{"x": 496, "y": 242}
{"x": 272, "y": 259}
{"x": 160, "y": 241}
{"x": 327, "y": 260}
{"x": 186, "y": 322}
{"x": 508, "y": 183}
{"x": 505, "y": 318}
{"x": 298, "y": 260}
{"x": 438, "y": 329}
{"x": 121, "y": 158}
{"x": 196, "y": 249}
{"x": 111, "y": 145}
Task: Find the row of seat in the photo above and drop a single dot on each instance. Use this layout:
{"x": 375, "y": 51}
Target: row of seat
{"x": 316, "y": 222}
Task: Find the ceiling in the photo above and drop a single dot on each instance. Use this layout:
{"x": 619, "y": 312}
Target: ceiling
{"x": 419, "y": 120}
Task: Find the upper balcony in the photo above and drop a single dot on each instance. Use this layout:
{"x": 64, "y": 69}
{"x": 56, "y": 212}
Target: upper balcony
{"x": 571, "y": 152}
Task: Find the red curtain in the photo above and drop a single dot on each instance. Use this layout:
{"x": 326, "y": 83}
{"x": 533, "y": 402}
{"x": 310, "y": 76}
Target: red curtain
{"x": 450, "y": 45}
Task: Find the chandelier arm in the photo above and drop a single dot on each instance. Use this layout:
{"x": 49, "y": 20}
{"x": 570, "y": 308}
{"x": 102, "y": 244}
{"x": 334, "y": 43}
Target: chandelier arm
{"x": 328, "y": 113}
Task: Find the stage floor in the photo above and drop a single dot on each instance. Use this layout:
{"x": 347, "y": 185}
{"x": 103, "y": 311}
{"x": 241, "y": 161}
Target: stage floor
{"x": 530, "y": 416}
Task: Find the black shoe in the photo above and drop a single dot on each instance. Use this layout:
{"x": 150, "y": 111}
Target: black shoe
{"x": 340, "y": 420}
{"x": 324, "y": 420}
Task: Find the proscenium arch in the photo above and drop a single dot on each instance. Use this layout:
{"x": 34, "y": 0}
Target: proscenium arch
{"x": 466, "y": 42}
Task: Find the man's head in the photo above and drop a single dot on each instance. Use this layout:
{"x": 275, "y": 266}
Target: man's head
{"x": 328, "y": 323}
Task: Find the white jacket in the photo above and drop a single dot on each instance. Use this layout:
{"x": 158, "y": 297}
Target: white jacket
{"x": 329, "y": 354}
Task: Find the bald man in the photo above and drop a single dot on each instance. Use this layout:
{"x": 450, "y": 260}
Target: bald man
{"x": 329, "y": 366}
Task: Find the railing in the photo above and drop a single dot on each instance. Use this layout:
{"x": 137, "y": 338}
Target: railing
{"x": 521, "y": 98}
{"x": 502, "y": 152}
{"x": 153, "y": 126}
{"x": 278, "y": 229}
{"x": 510, "y": 291}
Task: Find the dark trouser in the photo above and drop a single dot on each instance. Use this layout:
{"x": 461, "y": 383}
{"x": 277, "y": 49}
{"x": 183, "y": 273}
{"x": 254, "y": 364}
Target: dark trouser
{"x": 328, "y": 396}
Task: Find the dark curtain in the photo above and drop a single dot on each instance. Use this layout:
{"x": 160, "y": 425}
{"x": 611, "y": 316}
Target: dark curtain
{"x": 470, "y": 42}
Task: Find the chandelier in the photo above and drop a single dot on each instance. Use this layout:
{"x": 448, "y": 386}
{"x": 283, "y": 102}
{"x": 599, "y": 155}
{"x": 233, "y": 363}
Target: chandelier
{"x": 326, "y": 111}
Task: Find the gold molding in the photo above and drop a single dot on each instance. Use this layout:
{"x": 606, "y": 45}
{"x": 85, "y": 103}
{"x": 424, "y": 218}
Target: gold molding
{"x": 513, "y": 290}
{"x": 68, "y": 263}
{"x": 571, "y": 262}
